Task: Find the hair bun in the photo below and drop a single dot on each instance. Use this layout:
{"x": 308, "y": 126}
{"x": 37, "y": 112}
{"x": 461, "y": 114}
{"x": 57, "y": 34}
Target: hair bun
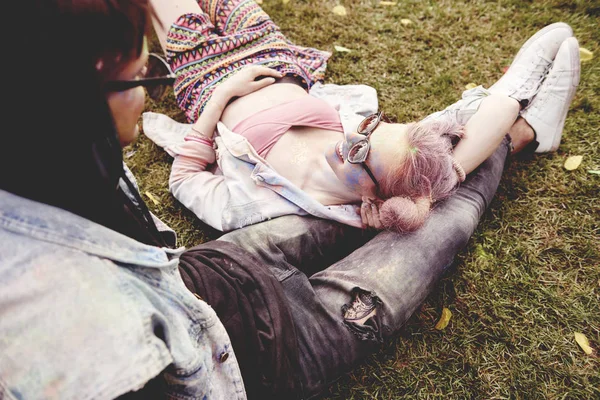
{"x": 402, "y": 214}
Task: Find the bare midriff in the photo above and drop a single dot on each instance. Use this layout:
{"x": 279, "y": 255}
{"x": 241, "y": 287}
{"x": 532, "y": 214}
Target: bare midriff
{"x": 282, "y": 91}
{"x": 299, "y": 154}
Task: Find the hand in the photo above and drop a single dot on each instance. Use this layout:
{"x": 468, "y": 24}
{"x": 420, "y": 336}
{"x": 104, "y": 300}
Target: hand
{"x": 369, "y": 213}
{"x": 244, "y": 81}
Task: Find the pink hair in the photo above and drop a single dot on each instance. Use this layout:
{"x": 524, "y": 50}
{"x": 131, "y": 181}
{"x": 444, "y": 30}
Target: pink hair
{"x": 425, "y": 176}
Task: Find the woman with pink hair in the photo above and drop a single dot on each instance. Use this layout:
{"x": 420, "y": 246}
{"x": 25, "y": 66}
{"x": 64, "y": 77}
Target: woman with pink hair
{"x": 97, "y": 300}
{"x": 268, "y": 139}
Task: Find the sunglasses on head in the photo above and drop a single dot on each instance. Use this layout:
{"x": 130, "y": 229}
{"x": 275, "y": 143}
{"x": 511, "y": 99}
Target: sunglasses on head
{"x": 359, "y": 151}
{"x": 158, "y": 79}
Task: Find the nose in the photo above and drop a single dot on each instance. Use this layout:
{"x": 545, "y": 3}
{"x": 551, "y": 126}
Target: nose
{"x": 353, "y": 137}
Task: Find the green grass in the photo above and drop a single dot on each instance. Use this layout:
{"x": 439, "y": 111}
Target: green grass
{"x": 530, "y": 276}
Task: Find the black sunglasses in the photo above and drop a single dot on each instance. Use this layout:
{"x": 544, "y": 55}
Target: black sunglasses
{"x": 158, "y": 79}
{"x": 359, "y": 151}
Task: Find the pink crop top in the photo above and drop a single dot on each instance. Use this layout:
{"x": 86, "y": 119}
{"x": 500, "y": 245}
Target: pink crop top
{"x": 264, "y": 128}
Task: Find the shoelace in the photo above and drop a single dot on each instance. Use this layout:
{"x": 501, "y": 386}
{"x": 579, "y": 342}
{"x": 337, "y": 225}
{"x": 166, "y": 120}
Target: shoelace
{"x": 538, "y": 75}
{"x": 359, "y": 308}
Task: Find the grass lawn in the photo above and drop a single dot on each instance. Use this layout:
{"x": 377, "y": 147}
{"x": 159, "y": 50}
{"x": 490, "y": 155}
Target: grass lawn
{"x": 530, "y": 277}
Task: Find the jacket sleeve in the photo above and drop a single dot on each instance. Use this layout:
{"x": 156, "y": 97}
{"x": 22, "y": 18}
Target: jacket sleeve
{"x": 201, "y": 191}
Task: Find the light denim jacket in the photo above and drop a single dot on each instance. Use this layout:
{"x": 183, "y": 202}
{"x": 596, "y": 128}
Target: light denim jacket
{"x": 88, "y": 313}
{"x": 244, "y": 189}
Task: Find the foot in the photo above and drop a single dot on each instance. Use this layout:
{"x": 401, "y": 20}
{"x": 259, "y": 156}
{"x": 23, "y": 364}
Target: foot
{"x": 548, "y": 110}
{"x": 525, "y": 75}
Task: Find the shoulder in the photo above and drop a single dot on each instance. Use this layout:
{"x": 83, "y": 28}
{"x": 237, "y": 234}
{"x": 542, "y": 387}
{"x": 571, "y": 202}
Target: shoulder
{"x": 68, "y": 328}
{"x": 89, "y": 313}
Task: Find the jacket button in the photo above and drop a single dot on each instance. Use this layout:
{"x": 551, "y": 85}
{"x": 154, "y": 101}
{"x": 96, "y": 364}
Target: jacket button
{"x": 224, "y": 357}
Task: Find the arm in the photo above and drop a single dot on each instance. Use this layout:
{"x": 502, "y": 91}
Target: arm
{"x": 199, "y": 190}
{"x": 240, "y": 84}
{"x": 485, "y": 130}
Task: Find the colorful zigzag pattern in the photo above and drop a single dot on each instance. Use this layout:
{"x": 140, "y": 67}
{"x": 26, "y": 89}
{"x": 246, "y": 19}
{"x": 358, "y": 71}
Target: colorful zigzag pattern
{"x": 206, "y": 49}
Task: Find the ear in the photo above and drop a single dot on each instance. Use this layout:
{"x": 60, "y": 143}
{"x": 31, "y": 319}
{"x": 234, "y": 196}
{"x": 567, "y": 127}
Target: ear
{"x": 99, "y": 65}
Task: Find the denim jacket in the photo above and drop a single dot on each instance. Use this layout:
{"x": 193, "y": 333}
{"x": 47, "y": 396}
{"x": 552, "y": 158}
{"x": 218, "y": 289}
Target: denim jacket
{"x": 243, "y": 189}
{"x": 88, "y": 313}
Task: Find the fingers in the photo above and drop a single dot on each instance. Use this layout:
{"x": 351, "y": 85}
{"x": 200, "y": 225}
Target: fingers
{"x": 369, "y": 214}
{"x": 267, "y": 76}
{"x": 264, "y": 82}
{"x": 259, "y": 70}
{"x": 363, "y": 214}
{"x": 375, "y": 217}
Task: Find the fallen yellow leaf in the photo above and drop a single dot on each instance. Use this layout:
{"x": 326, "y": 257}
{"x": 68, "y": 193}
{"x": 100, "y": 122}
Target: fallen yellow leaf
{"x": 285, "y": 1}
{"x": 259, "y": 1}
{"x": 471, "y": 85}
{"x": 342, "y": 49}
{"x": 339, "y": 10}
{"x": 583, "y": 343}
{"x": 151, "y": 197}
{"x": 388, "y": 3}
{"x": 405, "y": 21}
{"x": 585, "y": 54}
{"x": 573, "y": 162}
{"x": 444, "y": 319}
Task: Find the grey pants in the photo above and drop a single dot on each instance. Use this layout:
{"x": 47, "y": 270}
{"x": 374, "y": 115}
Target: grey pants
{"x": 395, "y": 272}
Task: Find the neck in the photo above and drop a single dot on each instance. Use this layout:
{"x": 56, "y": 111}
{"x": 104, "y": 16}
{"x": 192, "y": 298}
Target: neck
{"x": 327, "y": 189}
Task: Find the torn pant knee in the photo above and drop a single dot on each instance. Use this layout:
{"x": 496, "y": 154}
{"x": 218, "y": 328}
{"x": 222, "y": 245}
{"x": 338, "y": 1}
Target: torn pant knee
{"x": 362, "y": 315}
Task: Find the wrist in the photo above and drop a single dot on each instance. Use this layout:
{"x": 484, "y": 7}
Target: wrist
{"x": 220, "y": 97}
{"x": 199, "y": 133}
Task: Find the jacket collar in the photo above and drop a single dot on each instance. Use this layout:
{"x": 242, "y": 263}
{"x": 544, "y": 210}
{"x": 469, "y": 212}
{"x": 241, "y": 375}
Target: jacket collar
{"x": 55, "y": 225}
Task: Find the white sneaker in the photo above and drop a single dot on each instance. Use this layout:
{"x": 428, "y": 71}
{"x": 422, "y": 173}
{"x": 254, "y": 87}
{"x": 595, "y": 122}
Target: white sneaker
{"x": 549, "y": 108}
{"x": 523, "y": 78}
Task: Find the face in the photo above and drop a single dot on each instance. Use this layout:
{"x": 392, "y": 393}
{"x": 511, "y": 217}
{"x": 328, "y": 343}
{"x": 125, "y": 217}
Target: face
{"x": 388, "y": 144}
{"x": 127, "y": 106}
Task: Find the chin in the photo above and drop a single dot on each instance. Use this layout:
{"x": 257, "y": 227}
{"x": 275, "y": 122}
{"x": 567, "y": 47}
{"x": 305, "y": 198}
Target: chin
{"x": 130, "y": 137}
{"x": 332, "y": 160}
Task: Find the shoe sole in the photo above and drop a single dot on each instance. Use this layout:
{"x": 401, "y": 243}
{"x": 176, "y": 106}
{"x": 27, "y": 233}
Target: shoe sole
{"x": 575, "y": 66}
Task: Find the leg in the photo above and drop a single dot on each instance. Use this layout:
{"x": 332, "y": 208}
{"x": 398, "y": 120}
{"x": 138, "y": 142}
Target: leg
{"x": 342, "y": 313}
{"x": 548, "y": 110}
{"x": 239, "y": 275}
{"x": 521, "y": 134}
{"x": 208, "y": 42}
{"x": 292, "y": 243}
{"x": 166, "y": 12}
{"x": 393, "y": 273}
{"x": 218, "y": 11}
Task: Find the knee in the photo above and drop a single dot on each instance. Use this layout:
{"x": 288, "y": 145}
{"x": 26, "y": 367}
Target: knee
{"x": 361, "y": 315}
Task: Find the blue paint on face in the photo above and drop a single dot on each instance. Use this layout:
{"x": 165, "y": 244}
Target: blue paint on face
{"x": 386, "y": 150}
{"x": 353, "y": 176}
